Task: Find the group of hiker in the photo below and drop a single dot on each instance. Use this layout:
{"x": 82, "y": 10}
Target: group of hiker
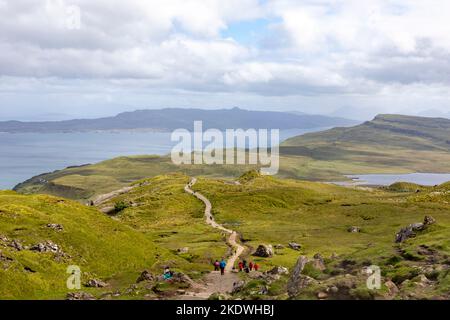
{"x": 243, "y": 266}
{"x": 220, "y": 265}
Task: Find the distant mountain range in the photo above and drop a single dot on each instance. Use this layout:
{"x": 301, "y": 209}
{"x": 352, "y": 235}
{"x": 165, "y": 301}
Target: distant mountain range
{"x": 174, "y": 118}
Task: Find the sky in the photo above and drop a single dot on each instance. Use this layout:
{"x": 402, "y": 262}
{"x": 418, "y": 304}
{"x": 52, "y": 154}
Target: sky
{"x": 62, "y": 59}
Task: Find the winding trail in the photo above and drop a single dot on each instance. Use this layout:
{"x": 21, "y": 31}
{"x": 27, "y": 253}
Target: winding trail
{"x": 216, "y": 283}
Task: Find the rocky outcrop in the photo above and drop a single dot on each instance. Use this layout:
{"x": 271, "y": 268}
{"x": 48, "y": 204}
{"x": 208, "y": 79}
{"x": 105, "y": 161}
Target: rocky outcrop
{"x": 56, "y": 227}
{"x": 410, "y": 231}
{"x": 238, "y": 286}
{"x": 297, "y": 281}
{"x": 264, "y": 251}
{"x": 145, "y": 276}
{"x": 47, "y": 246}
{"x": 95, "y": 283}
{"x": 79, "y": 296}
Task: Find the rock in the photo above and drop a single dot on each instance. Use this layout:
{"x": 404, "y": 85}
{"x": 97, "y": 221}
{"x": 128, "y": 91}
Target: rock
{"x": 295, "y": 246}
{"x": 182, "y": 278}
{"x": 278, "y": 246}
{"x": 264, "y": 251}
{"x": 409, "y": 231}
{"x": 108, "y": 210}
{"x": 238, "y": 286}
{"x": 181, "y": 292}
{"x": 55, "y": 226}
{"x": 333, "y": 289}
{"x": 404, "y": 234}
{"x": 354, "y": 229}
{"x": 392, "y": 287}
{"x": 417, "y": 226}
{"x": 429, "y": 220}
{"x": 16, "y": 245}
{"x": 297, "y": 281}
{"x": 278, "y": 270}
{"x": 322, "y": 295}
{"x": 263, "y": 290}
{"x": 47, "y": 246}
{"x": 183, "y": 250}
{"x": 95, "y": 283}
{"x": 79, "y": 296}
{"x": 145, "y": 276}
{"x": 318, "y": 262}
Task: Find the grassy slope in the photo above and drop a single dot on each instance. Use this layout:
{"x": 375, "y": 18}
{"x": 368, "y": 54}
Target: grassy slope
{"x": 389, "y": 143}
{"x": 317, "y": 216}
{"x": 145, "y": 237}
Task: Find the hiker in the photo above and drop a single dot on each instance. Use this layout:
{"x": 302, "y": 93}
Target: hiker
{"x": 222, "y": 266}
{"x": 241, "y": 266}
{"x": 256, "y": 266}
{"x": 168, "y": 274}
{"x": 250, "y": 266}
{"x": 244, "y": 263}
{"x": 216, "y": 265}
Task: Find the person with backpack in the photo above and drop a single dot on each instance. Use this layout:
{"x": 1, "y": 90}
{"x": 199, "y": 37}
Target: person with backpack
{"x": 256, "y": 266}
{"x": 241, "y": 266}
{"x": 250, "y": 266}
{"x": 222, "y": 266}
{"x": 216, "y": 265}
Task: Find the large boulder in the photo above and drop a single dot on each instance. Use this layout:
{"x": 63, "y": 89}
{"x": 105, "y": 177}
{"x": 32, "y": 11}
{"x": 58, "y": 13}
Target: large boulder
{"x": 410, "y": 231}
{"x": 47, "y": 246}
{"x": 264, "y": 251}
{"x": 354, "y": 229}
{"x": 56, "y": 227}
{"x": 238, "y": 286}
{"x": 297, "y": 281}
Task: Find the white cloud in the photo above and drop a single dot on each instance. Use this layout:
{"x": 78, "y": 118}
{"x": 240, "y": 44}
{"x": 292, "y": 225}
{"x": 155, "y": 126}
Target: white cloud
{"x": 321, "y": 48}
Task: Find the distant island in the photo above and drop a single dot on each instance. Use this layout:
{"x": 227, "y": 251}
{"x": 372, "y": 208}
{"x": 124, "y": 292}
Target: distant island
{"x": 169, "y": 119}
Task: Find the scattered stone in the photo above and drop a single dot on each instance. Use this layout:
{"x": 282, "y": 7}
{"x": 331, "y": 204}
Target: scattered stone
{"x": 278, "y": 246}
{"x": 264, "y": 251}
{"x": 47, "y": 246}
{"x": 95, "y": 283}
{"x": 16, "y": 245}
{"x": 354, "y": 229}
{"x": 182, "y": 278}
{"x": 263, "y": 290}
{"x": 334, "y": 256}
{"x": 295, "y": 246}
{"x": 238, "y": 286}
{"x": 79, "y": 296}
{"x": 108, "y": 210}
{"x": 429, "y": 220}
{"x": 145, "y": 276}
{"x": 392, "y": 287}
{"x": 278, "y": 270}
{"x": 322, "y": 295}
{"x": 183, "y": 250}
{"x": 181, "y": 292}
{"x": 297, "y": 281}
{"x": 55, "y": 226}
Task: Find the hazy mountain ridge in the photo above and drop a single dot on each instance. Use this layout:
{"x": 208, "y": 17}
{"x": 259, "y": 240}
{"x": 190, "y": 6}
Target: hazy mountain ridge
{"x": 174, "y": 118}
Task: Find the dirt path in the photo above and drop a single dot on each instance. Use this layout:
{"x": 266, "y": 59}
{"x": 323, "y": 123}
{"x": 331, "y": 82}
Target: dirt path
{"x": 214, "y": 282}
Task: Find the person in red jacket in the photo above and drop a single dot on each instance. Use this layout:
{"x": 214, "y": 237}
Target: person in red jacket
{"x": 256, "y": 266}
{"x": 241, "y": 266}
{"x": 250, "y": 266}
